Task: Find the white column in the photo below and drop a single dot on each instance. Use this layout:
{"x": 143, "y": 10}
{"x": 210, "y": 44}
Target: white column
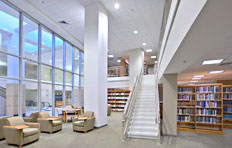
{"x": 136, "y": 63}
{"x": 169, "y": 104}
{"x": 95, "y": 67}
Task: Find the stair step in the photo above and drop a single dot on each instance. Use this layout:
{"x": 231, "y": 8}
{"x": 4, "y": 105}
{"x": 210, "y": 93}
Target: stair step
{"x": 149, "y": 135}
{"x": 144, "y": 114}
{"x": 143, "y": 123}
{"x": 144, "y": 118}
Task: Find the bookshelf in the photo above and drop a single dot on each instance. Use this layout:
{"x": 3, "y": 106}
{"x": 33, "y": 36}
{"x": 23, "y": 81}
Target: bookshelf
{"x": 227, "y": 106}
{"x": 200, "y": 108}
{"x": 117, "y": 98}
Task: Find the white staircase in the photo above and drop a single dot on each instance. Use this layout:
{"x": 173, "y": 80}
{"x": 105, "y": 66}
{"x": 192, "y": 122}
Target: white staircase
{"x": 143, "y": 123}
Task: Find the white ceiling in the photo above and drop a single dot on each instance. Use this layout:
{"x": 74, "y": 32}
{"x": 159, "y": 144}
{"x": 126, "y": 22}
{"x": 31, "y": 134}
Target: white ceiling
{"x": 142, "y": 15}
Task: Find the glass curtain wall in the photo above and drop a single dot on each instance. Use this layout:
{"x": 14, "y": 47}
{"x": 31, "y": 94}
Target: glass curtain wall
{"x": 43, "y": 73}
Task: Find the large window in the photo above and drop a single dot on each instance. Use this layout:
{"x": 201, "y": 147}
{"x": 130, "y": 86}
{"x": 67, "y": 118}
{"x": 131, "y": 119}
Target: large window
{"x": 43, "y": 68}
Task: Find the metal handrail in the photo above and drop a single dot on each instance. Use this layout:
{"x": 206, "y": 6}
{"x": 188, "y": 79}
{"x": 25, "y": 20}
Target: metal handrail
{"x": 130, "y": 104}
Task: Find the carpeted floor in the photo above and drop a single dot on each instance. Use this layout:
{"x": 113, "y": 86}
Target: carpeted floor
{"x": 110, "y": 136}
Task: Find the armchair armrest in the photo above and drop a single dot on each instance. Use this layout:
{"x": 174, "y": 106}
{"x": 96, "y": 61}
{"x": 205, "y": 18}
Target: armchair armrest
{"x": 19, "y": 127}
{"x": 27, "y": 119}
{"x": 33, "y": 125}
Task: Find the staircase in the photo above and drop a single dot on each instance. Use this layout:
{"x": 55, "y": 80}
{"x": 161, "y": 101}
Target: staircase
{"x": 143, "y": 122}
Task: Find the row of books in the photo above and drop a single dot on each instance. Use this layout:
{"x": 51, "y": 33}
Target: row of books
{"x": 185, "y": 97}
{"x": 206, "y": 89}
{"x": 212, "y": 120}
{"x": 227, "y": 109}
{"x": 185, "y": 118}
{"x": 117, "y": 97}
{"x": 185, "y": 90}
{"x": 207, "y": 104}
{"x": 227, "y": 116}
{"x": 208, "y": 96}
{"x": 118, "y": 93}
{"x": 212, "y": 112}
{"x": 227, "y": 89}
{"x": 186, "y": 103}
{"x": 185, "y": 111}
{"x": 227, "y": 96}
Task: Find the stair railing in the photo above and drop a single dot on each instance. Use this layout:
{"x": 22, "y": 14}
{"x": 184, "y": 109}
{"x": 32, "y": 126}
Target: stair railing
{"x": 128, "y": 110}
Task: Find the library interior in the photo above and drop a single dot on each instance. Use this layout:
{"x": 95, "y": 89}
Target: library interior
{"x": 116, "y": 73}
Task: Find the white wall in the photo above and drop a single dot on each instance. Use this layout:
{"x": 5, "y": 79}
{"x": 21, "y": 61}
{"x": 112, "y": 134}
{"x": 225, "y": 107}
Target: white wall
{"x": 118, "y": 82}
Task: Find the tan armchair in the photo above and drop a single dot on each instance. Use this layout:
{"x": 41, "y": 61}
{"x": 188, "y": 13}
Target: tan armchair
{"x": 2, "y": 123}
{"x": 18, "y": 132}
{"x": 85, "y": 123}
{"x": 33, "y": 117}
{"x": 48, "y": 123}
{"x": 109, "y": 110}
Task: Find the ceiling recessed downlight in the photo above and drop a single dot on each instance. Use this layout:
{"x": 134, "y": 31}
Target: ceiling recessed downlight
{"x": 144, "y": 44}
{"x": 116, "y": 6}
{"x": 148, "y": 50}
{"x": 110, "y": 56}
{"x": 135, "y": 32}
{"x": 118, "y": 61}
{"x": 153, "y": 57}
{"x": 198, "y": 76}
{"x": 216, "y": 72}
{"x": 208, "y": 62}
{"x": 155, "y": 62}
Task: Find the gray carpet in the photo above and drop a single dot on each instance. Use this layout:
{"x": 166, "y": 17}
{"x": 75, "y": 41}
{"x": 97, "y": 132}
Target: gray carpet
{"x": 110, "y": 137}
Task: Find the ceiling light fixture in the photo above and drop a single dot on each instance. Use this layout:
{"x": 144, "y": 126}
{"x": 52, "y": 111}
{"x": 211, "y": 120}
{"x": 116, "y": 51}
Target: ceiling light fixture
{"x": 135, "y": 32}
{"x": 144, "y": 44}
{"x": 153, "y": 57}
{"x": 110, "y": 56}
{"x": 155, "y": 62}
{"x": 198, "y": 76}
{"x": 216, "y": 72}
{"x": 208, "y": 62}
{"x": 50, "y": 61}
{"x": 118, "y": 61}
{"x": 116, "y": 6}
{"x": 148, "y": 50}
{"x": 43, "y": 43}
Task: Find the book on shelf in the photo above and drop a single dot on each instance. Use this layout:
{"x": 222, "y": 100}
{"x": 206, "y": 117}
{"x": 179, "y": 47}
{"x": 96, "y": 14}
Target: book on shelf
{"x": 185, "y": 97}
{"x": 208, "y": 96}
{"x": 227, "y": 96}
{"x": 186, "y": 111}
{"x": 210, "y": 120}
{"x": 227, "y": 89}
{"x": 207, "y": 104}
{"x": 207, "y": 89}
{"x": 210, "y": 112}
{"x": 185, "y": 119}
{"x": 185, "y": 90}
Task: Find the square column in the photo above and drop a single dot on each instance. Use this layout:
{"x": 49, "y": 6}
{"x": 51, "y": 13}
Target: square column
{"x": 95, "y": 68}
{"x": 169, "y": 104}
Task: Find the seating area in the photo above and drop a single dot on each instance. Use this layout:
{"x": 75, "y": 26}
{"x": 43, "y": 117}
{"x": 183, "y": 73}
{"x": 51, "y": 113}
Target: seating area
{"x": 20, "y": 131}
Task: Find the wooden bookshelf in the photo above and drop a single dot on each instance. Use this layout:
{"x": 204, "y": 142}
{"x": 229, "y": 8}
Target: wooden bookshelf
{"x": 200, "y": 108}
{"x": 117, "y": 98}
{"x": 227, "y": 106}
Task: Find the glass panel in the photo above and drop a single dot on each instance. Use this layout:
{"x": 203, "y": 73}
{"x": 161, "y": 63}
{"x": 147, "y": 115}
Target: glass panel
{"x": 30, "y": 70}
{"x": 9, "y": 29}
{"x": 30, "y": 39}
{"x": 9, "y": 66}
{"x": 31, "y": 91}
{"x": 68, "y": 57}
{"x": 76, "y": 96}
{"x": 82, "y": 63}
{"x": 68, "y": 78}
{"x": 58, "y": 76}
{"x": 58, "y": 95}
{"x": 76, "y": 61}
{"x": 9, "y": 97}
{"x": 76, "y": 80}
{"x": 68, "y": 95}
{"x": 82, "y": 81}
{"x": 46, "y": 73}
{"x": 46, "y": 98}
{"x": 82, "y": 96}
{"x": 58, "y": 53}
{"x": 46, "y": 47}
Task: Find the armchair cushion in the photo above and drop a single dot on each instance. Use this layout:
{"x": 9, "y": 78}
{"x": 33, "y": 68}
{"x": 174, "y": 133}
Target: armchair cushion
{"x": 78, "y": 123}
{"x": 44, "y": 115}
{"x": 56, "y": 122}
{"x": 15, "y": 121}
{"x": 88, "y": 114}
{"x": 30, "y": 131}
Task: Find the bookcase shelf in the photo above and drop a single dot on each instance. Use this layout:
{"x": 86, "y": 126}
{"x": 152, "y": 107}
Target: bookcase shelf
{"x": 227, "y": 106}
{"x": 117, "y": 98}
{"x": 200, "y": 108}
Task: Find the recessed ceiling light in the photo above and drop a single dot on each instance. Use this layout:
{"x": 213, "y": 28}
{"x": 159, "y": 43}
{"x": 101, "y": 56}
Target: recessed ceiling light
{"x": 135, "y": 32}
{"x": 118, "y": 61}
{"x": 43, "y": 42}
{"x": 32, "y": 54}
{"x": 155, "y": 62}
{"x": 144, "y": 44}
{"x": 50, "y": 61}
{"x": 198, "y": 76}
{"x": 116, "y": 5}
{"x": 110, "y": 56}
{"x": 193, "y": 81}
{"x": 153, "y": 57}
{"x": 208, "y": 62}
{"x": 215, "y": 72}
{"x": 148, "y": 50}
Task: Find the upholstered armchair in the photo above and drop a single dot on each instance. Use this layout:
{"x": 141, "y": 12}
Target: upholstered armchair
{"x": 109, "y": 110}
{"x": 48, "y": 123}
{"x": 33, "y": 117}
{"x": 2, "y": 123}
{"x": 85, "y": 123}
{"x": 17, "y": 132}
